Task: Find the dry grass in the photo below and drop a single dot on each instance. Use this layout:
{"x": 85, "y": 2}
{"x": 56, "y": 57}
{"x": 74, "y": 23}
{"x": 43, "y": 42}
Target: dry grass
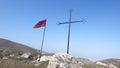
{"x": 43, "y": 64}
{"x": 21, "y": 63}
{"x": 12, "y": 63}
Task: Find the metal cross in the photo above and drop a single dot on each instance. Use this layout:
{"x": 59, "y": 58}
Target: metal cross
{"x": 70, "y": 28}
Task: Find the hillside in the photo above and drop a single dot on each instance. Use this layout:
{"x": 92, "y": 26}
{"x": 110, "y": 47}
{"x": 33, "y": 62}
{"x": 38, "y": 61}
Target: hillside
{"x": 49, "y": 60}
{"x": 15, "y": 47}
{"x": 113, "y": 61}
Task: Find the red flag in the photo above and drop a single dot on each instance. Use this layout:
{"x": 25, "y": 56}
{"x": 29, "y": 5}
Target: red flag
{"x": 41, "y": 23}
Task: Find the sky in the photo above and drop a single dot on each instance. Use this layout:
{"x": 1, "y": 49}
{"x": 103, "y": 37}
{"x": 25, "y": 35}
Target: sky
{"x": 98, "y": 38}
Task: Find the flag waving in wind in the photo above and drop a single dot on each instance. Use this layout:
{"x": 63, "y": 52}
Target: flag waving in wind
{"x": 41, "y": 23}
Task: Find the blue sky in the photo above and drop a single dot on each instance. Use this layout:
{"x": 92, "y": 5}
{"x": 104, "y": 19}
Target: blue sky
{"x": 98, "y": 38}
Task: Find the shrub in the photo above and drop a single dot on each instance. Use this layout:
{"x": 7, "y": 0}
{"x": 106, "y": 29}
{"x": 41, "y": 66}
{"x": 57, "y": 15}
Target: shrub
{"x": 43, "y": 64}
{"x": 93, "y": 66}
{"x": 1, "y": 55}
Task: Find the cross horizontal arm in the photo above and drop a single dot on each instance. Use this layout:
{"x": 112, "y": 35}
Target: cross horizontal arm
{"x": 71, "y": 22}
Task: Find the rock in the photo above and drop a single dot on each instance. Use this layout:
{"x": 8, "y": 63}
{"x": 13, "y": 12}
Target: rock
{"x": 25, "y": 55}
{"x": 5, "y": 58}
{"x": 100, "y": 63}
{"x": 61, "y": 60}
{"x": 107, "y": 65}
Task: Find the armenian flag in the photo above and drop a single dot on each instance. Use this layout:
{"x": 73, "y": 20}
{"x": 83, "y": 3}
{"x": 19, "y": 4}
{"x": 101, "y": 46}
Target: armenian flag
{"x": 41, "y": 23}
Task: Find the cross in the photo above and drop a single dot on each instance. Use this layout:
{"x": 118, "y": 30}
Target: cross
{"x": 69, "y": 28}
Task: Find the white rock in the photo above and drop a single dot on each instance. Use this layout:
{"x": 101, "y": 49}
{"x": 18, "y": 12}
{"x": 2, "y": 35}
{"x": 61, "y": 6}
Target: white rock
{"x": 46, "y": 58}
{"x": 108, "y": 65}
{"x": 112, "y": 66}
{"x": 62, "y": 60}
{"x": 25, "y": 55}
{"x": 100, "y": 63}
{"x": 5, "y": 58}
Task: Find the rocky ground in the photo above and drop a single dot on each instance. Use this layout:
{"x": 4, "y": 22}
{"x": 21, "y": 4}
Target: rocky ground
{"x": 15, "y": 55}
{"x": 59, "y": 60}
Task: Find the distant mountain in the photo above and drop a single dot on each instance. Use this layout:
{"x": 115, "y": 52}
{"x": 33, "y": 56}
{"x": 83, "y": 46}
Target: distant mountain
{"x": 113, "y": 61}
{"x": 15, "y": 47}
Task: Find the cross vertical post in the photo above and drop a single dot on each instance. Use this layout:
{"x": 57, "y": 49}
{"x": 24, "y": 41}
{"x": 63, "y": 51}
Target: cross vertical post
{"x": 69, "y": 31}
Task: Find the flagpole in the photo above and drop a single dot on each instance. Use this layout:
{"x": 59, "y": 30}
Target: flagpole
{"x": 42, "y": 42}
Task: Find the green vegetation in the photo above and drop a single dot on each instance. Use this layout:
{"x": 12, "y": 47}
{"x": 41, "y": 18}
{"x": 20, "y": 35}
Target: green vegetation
{"x": 7, "y": 53}
{"x": 19, "y": 53}
{"x": 43, "y": 64}
{"x": 1, "y": 55}
{"x": 93, "y": 66}
{"x": 4, "y": 53}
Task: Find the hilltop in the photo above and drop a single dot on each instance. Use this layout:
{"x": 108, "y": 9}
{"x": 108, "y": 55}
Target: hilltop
{"x": 48, "y": 60}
